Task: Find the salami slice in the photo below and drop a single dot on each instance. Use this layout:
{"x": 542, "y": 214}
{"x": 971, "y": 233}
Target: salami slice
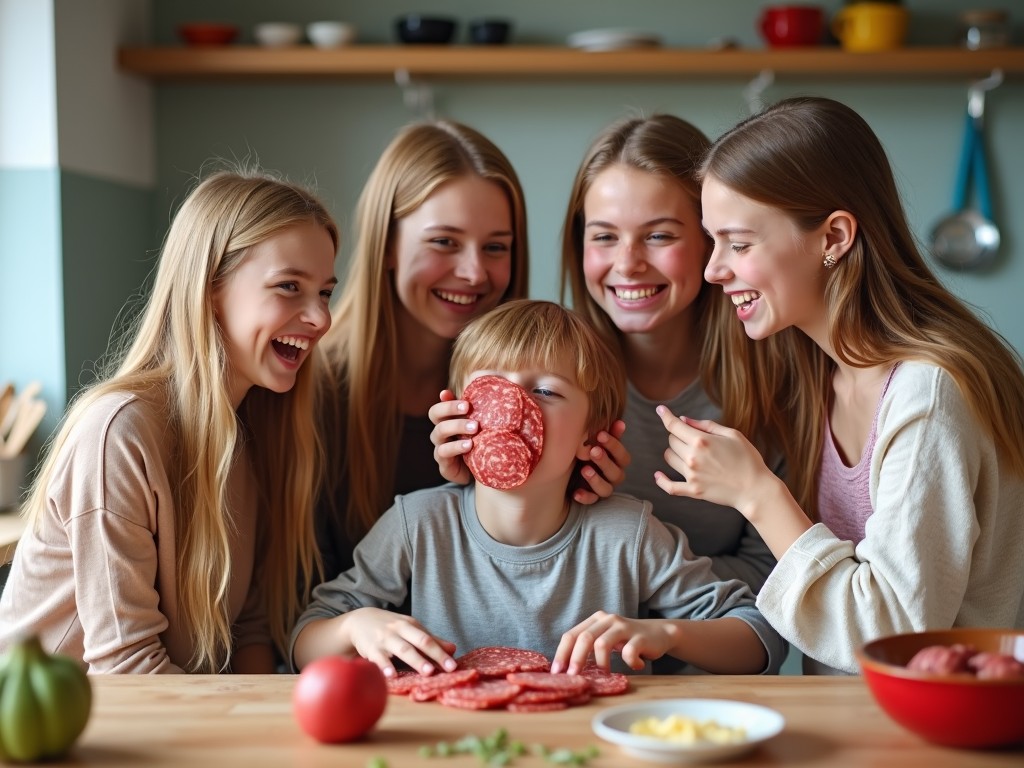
{"x": 532, "y": 428}
{"x": 496, "y": 402}
{"x": 544, "y": 706}
{"x": 482, "y": 694}
{"x": 604, "y": 683}
{"x": 430, "y": 686}
{"x": 500, "y": 460}
{"x": 499, "y": 661}
{"x": 403, "y": 683}
{"x": 580, "y": 700}
{"x": 570, "y": 685}
{"x": 534, "y": 696}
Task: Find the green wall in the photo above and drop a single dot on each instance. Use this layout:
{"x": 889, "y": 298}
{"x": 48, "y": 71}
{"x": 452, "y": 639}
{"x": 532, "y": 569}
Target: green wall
{"x": 331, "y": 132}
{"x": 109, "y": 247}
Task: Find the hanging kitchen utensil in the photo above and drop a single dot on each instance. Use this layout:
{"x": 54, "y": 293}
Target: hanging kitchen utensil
{"x": 968, "y": 239}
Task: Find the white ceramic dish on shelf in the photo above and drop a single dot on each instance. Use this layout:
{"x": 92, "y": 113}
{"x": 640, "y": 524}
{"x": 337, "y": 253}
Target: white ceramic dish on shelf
{"x": 277, "y": 34}
{"x": 759, "y": 724}
{"x": 330, "y": 34}
{"x": 612, "y": 39}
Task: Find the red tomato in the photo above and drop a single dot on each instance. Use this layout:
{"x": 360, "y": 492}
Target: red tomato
{"x": 338, "y": 699}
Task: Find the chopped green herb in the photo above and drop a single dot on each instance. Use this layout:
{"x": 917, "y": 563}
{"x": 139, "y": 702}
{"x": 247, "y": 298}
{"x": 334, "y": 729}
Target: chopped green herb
{"x": 377, "y": 762}
{"x": 561, "y": 757}
{"x": 496, "y": 750}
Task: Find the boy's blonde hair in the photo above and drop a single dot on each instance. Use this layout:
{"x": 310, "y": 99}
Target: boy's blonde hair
{"x": 541, "y": 334}
{"x": 173, "y": 354}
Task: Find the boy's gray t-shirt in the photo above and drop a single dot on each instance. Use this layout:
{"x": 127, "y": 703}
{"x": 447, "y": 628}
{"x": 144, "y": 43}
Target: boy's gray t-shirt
{"x": 467, "y": 588}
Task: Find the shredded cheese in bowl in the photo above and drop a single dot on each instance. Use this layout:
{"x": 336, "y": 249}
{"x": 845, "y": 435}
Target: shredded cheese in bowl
{"x": 677, "y": 729}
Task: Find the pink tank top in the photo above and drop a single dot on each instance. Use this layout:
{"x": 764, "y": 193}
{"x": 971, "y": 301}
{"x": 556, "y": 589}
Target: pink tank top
{"x": 844, "y": 499}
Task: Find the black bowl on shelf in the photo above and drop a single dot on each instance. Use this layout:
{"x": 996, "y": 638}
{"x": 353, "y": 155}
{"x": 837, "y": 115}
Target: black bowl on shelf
{"x": 436, "y": 30}
{"x": 489, "y": 31}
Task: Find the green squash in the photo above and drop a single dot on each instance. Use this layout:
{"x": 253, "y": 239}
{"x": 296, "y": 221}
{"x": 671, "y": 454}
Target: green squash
{"x": 44, "y": 703}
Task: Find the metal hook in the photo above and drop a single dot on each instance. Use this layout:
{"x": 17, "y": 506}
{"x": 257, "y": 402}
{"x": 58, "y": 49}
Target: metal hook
{"x": 976, "y": 93}
{"x": 417, "y": 97}
{"x": 756, "y": 88}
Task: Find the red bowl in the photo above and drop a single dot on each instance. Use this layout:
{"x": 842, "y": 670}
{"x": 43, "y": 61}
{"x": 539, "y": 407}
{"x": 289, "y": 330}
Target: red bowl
{"x": 956, "y": 710}
{"x": 208, "y": 33}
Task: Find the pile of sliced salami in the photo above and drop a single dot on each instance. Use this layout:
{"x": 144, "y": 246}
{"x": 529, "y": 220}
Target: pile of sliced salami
{"x": 510, "y": 438}
{"x": 508, "y": 678}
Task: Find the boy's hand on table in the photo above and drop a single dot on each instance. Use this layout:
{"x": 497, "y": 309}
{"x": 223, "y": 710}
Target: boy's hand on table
{"x": 602, "y": 634}
{"x": 379, "y": 636}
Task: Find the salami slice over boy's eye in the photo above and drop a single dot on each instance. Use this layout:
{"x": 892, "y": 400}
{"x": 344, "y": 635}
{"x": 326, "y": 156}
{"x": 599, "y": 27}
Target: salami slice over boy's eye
{"x": 511, "y": 437}
{"x": 497, "y": 403}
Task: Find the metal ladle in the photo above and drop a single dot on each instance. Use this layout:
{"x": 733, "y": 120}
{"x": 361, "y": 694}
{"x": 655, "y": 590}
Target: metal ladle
{"x": 969, "y": 239}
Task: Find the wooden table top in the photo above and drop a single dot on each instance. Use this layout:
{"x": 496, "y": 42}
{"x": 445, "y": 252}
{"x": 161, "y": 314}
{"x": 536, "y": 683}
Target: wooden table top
{"x": 226, "y": 721}
{"x": 12, "y": 525}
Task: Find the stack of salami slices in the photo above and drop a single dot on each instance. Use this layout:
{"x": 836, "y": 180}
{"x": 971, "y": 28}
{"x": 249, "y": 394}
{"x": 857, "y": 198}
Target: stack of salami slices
{"x": 510, "y": 439}
{"x": 508, "y": 678}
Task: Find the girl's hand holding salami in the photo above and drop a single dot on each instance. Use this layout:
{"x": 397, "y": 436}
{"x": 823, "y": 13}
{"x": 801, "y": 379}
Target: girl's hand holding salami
{"x": 453, "y": 421}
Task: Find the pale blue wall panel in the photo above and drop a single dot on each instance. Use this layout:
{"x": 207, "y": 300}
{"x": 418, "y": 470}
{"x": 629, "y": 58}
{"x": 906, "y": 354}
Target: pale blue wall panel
{"x": 31, "y": 297}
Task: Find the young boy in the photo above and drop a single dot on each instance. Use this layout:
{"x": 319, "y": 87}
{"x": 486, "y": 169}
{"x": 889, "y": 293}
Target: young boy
{"x": 528, "y": 567}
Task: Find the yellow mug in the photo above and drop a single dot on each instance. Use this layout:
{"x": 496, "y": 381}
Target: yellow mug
{"x": 864, "y": 27}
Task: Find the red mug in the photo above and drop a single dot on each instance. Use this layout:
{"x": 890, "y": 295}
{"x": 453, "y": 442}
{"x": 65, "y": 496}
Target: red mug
{"x": 785, "y": 26}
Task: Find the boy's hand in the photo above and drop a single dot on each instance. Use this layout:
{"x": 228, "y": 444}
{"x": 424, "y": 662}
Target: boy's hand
{"x": 450, "y": 425}
{"x": 610, "y": 458}
{"x": 379, "y": 635}
{"x": 602, "y": 634}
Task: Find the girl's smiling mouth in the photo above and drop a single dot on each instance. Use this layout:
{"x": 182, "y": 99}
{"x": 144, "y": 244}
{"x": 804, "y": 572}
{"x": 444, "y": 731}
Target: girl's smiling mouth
{"x": 289, "y": 347}
{"x": 455, "y": 297}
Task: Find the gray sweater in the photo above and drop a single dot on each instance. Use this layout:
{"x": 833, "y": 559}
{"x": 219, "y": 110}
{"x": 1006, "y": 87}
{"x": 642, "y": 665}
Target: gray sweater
{"x": 721, "y": 533}
{"x": 467, "y": 588}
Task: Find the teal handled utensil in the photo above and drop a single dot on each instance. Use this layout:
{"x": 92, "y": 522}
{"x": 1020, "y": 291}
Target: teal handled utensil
{"x": 969, "y": 239}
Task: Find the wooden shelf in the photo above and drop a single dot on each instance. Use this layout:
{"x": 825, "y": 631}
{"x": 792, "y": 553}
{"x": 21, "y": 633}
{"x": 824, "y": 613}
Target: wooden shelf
{"x": 367, "y": 61}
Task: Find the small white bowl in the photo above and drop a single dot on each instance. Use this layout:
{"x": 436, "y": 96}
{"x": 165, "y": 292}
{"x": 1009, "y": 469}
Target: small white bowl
{"x": 330, "y": 34}
{"x": 277, "y": 34}
{"x": 760, "y": 724}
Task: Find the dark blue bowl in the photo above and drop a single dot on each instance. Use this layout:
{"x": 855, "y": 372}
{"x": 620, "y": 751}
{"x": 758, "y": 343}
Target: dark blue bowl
{"x": 489, "y": 31}
{"x": 435, "y": 30}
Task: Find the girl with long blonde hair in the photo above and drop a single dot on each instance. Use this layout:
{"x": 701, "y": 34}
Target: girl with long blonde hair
{"x": 174, "y": 509}
{"x": 899, "y": 412}
{"x": 440, "y": 240}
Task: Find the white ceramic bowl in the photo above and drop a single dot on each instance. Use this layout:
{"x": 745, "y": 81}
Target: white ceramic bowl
{"x": 760, "y": 723}
{"x": 277, "y": 34}
{"x": 330, "y": 34}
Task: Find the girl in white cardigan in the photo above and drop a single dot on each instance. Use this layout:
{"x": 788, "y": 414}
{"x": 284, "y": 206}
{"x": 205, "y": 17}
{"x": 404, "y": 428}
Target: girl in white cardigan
{"x": 900, "y": 414}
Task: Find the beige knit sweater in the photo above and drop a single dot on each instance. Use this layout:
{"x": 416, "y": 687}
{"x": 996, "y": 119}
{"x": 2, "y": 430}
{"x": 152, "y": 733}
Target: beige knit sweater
{"x": 96, "y": 581}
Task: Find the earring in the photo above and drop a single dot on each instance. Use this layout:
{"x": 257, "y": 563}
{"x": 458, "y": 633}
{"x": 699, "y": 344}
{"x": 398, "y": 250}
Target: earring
{"x": 829, "y": 260}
